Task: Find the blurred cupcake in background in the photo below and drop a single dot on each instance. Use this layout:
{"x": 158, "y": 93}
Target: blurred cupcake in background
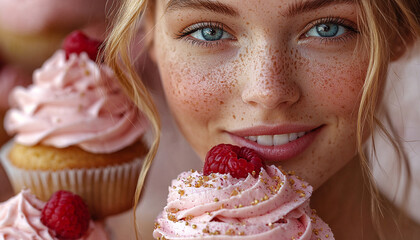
{"x": 75, "y": 129}
{"x": 31, "y": 31}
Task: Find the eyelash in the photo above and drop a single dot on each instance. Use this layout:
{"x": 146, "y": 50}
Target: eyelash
{"x": 184, "y": 34}
{"x": 350, "y": 27}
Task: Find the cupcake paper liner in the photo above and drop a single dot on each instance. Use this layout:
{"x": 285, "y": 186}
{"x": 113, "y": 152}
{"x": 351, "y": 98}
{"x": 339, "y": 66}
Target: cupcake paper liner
{"x": 106, "y": 190}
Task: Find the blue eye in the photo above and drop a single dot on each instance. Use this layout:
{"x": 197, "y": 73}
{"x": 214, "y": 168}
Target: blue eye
{"x": 210, "y": 34}
{"x": 326, "y": 30}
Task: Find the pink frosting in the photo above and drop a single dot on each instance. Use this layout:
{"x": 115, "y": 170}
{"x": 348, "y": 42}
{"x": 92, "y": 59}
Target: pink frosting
{"x": 20, "y": 219}
{"x": 274, "y": 206}
{"x": 34, "y": 16}
{"x": 74, "y": 102}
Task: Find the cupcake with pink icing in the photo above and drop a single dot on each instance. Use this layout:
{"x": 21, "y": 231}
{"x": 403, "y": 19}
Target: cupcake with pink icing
{"x": 236, "y": 197}
{"x": 23, "y": 217}
{"x": 75, "y": 129}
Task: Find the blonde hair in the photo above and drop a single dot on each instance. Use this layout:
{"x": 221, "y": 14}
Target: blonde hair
{"x": 388, "y": 28}
{"x": 117, "y": 55}
{"x": 384, "y": 24}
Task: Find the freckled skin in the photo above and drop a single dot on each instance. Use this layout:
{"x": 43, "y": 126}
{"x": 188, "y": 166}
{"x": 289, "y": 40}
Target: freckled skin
{"x": 267, "y": 75}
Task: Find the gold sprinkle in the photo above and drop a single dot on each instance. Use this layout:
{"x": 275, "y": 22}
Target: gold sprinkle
{"x": 315, "y": 231}
{"x": 230, "y": 232}
{"x": 156, "y": 225}
{"x": 194, "y": 226}
{"x": 181, "y": 192}
{"x": 172, "y": 218}
{"x": 173, "y": 210}
{"x": 216, "y": 199}
{"x": 234, "y": 193}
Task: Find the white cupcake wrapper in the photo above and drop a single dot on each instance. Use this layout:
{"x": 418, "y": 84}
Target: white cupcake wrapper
{"x": 106, "y": 190}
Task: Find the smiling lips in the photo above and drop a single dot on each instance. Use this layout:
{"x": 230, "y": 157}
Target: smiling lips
{"x": 276, "y": 147}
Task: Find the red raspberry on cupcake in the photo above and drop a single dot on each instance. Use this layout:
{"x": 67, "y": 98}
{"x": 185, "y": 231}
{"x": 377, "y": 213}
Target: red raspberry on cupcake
{"x": 238, "y": 161}
{"x": 66, "y": 215}
{"x": 77, "y": 42}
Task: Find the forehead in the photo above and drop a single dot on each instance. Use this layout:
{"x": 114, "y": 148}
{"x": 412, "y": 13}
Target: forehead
{"x": 293, "y": 7}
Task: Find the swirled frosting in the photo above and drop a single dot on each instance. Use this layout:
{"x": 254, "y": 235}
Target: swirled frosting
{"x": 74, "y": 102}
{"x": 20, "y": 219}
{"x": 274, "y": 206}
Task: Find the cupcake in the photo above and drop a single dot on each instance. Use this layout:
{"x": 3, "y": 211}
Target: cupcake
{"x": 36, "y": 28}
{"x": 23, "y": 217}
{"x": 75, "y": 129}
{"x": 239, "y": 200}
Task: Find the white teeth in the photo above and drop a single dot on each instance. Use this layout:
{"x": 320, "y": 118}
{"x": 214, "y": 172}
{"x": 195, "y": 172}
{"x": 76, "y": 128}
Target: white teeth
{"x": 266, "y": 140}
{"x": 280, "y": 139}
{"x": 275, "y": 140}
{"x": 253, "y": 138}
{"x": 293, "y": 136}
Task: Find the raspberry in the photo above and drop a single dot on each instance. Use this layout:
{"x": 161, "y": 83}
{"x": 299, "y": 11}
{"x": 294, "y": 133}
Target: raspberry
{"x": 67, "y": 215}
{"x": 238, "y": 161}
{"x": 77, "y": 42}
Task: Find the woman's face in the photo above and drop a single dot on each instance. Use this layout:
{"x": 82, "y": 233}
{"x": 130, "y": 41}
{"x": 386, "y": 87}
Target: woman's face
{"x": 282, "y": 77}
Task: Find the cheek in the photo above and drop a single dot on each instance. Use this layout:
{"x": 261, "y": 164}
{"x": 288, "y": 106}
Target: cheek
{"x": 194, "y": 88}
{"x": 335, "y": 83}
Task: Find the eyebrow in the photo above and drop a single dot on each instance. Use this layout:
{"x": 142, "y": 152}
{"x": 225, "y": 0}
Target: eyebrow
{"x": 300, "y": 7}
{"x": 213, "y": 6}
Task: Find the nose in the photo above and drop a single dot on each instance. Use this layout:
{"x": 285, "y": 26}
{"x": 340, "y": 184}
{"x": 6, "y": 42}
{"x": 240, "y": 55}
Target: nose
{"x": 270, "y": 81}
